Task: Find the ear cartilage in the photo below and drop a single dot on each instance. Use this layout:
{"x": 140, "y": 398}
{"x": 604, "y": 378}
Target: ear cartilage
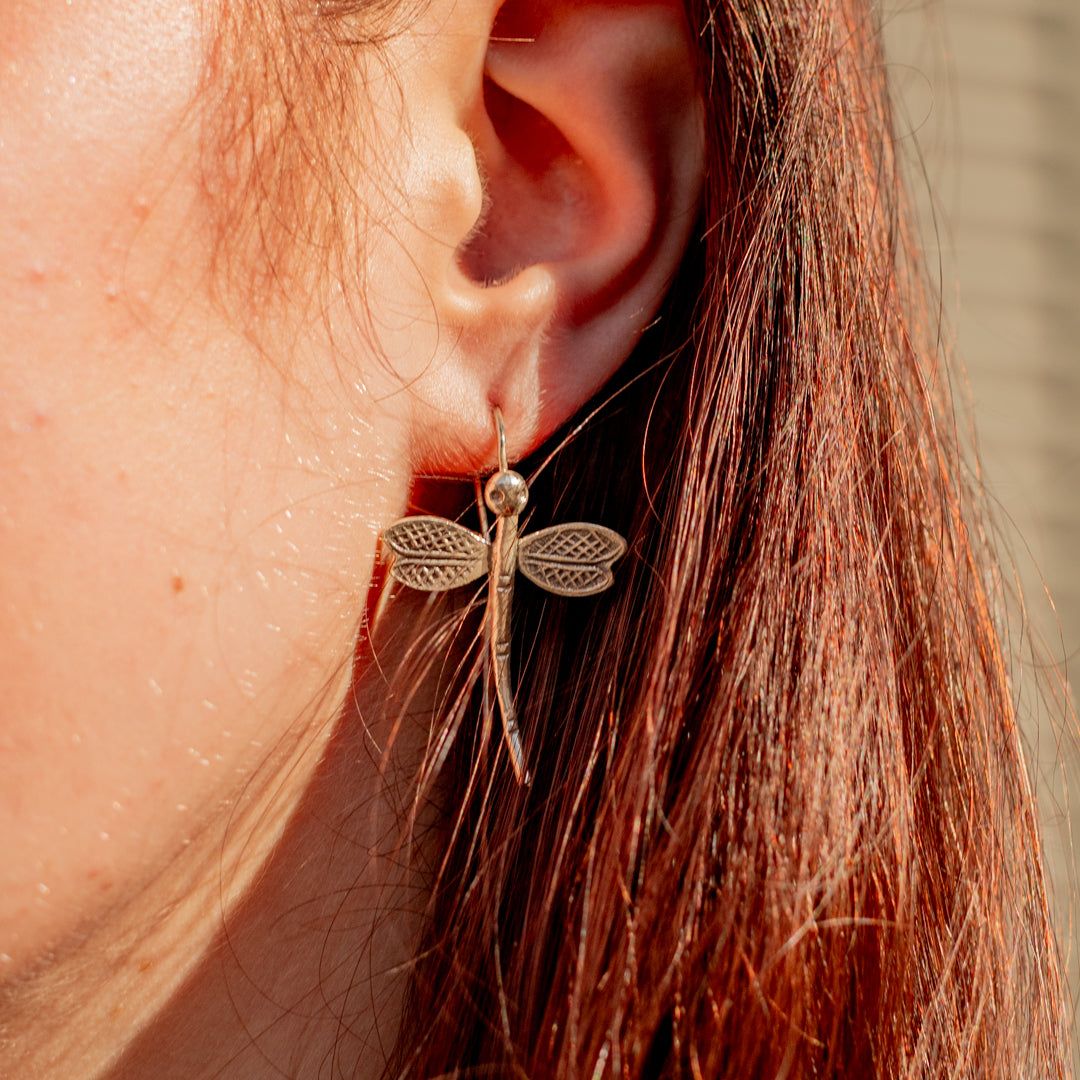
{"x": 435, "y": 554}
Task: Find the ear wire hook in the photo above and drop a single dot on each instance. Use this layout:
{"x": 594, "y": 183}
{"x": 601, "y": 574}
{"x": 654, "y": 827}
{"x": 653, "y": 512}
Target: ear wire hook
{"x": 500, "y": 437}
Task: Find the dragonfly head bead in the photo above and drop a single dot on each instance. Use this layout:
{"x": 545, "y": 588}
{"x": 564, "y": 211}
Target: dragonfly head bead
{"x": 506, "y": 493}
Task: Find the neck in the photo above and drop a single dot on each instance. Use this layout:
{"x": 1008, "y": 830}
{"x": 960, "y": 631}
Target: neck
{"x": 278, "y": 940}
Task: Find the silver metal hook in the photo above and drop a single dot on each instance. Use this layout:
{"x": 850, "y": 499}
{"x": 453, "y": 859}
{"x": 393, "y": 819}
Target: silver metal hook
{"x": 500, "y": 436}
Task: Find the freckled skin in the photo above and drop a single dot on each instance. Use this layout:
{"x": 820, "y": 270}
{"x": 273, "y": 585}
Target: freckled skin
{"x": 192, "y": 487}
{"x": 188, "y": 525}
{"x": 184, "y": 554}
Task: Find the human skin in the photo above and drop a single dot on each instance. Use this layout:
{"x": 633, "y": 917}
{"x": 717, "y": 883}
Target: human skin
{"x": 188, "y": 530}
{"x": 189, "y": 508}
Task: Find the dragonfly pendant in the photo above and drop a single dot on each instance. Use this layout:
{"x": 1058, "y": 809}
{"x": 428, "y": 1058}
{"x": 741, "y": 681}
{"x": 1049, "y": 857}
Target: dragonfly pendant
{"x": 435, "y": 554}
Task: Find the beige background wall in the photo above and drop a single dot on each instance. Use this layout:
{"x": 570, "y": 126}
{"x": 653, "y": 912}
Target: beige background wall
{"x": 989, "y": 100}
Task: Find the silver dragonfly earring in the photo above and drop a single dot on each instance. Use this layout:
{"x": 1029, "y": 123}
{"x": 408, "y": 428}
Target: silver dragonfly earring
{"x": 436, "y": 554}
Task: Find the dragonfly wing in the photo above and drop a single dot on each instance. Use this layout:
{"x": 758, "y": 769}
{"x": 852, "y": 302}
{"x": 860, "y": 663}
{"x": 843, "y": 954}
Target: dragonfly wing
{"x": 571, "y": 560}
{"x": 434, "y": 554}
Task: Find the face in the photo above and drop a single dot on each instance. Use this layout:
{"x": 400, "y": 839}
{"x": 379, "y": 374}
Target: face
{"x": 188, "y": 511}
{"x": 220, "y": 372}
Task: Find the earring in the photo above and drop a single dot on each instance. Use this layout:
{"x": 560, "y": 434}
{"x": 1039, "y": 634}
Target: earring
{"x": 435, "y": 554}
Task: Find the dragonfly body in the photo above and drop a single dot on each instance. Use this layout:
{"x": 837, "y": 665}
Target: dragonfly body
{"x": 503, "y": 560}
{"x": 436, "y": 554}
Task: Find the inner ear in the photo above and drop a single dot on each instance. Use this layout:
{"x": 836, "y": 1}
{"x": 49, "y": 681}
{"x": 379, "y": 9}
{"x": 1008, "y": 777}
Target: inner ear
{"x": 531, "y": 175}
{"x": 585, "y": 133}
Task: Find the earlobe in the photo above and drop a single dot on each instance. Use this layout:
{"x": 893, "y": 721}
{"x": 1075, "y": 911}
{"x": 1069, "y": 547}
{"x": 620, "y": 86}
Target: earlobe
{"x": 587, "y": 129}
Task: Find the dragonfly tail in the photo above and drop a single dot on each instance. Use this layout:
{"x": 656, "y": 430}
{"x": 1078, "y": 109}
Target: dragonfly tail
{"x": 512, "y": 737}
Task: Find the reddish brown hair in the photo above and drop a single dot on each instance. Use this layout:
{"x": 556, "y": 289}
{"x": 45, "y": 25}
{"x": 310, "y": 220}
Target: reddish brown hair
{"x": 781, "y": 824}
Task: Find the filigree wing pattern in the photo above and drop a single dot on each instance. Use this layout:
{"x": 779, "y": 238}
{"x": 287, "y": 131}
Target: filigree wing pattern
{"x": 434, "y": 554}
{"x": 571, "y": 560}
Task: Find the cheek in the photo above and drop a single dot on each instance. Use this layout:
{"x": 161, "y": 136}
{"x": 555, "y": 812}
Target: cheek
{"x": 93, "y": 100}
{"x": 187, "y": 527}
{"x": 182, "y": 574}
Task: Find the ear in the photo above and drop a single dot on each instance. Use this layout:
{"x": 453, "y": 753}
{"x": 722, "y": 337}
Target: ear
{"x": 587, "y": 130}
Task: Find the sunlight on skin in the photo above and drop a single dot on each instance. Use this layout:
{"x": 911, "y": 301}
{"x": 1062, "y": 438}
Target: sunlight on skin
{"x": 189, "y": 513}
{"x": 188, "y": 533}
{"x": 188, "y": 528}
{"x": 186, "y": 536}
